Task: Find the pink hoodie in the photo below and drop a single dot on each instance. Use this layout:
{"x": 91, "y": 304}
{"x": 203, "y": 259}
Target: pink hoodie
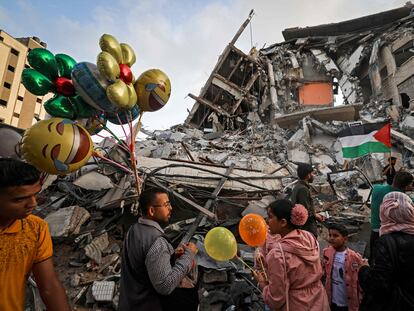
{"x": 294, "y": 271}
{"x": 352, "y": 262}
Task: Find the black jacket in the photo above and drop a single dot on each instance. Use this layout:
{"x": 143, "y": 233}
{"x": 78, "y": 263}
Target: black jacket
{"x": 301, "y": 195}
{"x": 389, "y": 283}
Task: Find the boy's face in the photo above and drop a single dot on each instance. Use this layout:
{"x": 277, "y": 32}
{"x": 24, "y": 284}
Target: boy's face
{"x": 336, "y": 239}
{"x": 18, "y": 202}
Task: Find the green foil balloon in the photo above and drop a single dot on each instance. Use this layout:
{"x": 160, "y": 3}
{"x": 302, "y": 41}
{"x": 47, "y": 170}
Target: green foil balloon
{"x": 82, "y": 109}
{"x": 65, "y": 65}
{"x": 36, "y": 83}
{"x": 43, "y": 61}
{"x": 59, "y": 106}
{"x": 68, "y": 107}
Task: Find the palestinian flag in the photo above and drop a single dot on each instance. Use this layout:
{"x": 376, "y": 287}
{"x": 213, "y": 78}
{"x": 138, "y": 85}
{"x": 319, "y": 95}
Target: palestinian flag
{"x": 362, "y": 139}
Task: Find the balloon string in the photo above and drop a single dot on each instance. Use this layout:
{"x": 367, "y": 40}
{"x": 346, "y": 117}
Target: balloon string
{"x": 138, "y": 126}
{"x": 243, "y": 262}
{"x": 130, "y": 129}
{"x": 114, "y": 140}
{"x": 112, "y": 133}
{"x": 122, "y": 126}
{"x": 133, "y": 154}
{"x": 112, "y": 162}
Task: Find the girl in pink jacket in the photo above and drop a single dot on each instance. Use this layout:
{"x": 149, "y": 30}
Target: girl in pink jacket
{"x": 292, "y": 266}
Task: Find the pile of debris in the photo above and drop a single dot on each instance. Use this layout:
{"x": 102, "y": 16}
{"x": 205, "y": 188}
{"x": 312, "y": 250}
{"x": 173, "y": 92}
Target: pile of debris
{"x": 214, "y": 179}
{"x": 257, "y": 117}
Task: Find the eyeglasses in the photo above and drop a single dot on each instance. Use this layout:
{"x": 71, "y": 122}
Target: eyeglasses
{"x": 165, "y": 205}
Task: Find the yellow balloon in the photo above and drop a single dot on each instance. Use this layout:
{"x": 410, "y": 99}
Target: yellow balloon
{"x": 120, "y": 95}
{"x": 111, "y": 45}
{"x": 57, "y": 146}
{"x": 114, "y": 63}
{"x": 128, "y": 55}
{"x": 153, "y": 89}
{"x": 108, "y": 66}
{"x": 220, "y": 244}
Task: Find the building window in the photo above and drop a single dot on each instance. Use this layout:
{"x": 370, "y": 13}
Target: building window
{"x": 1, "y": 120}
{"x": 39, "y": 100}
{"x": 15, "y": 52}
{"x": 11, "y": 68}
{"x": 1, "y": 39}
{"x": 20, "y": 98}
{"x": 3, "y": 102}
{"x": 16, "y": 115}
{"x": 404, "y": 53}
{"x": 7, "y": 85}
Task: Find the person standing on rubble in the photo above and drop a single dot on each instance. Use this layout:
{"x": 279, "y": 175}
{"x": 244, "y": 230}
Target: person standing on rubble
{"x": 293, "y": 266}
{"x": 25, "y": 243}
{"x": 403, "y": 182}
{"x": 301, "y": 195}
{"x": 340, "y": 268}
{"x": 152, "y": 272}
{"x": 389, "y": 170}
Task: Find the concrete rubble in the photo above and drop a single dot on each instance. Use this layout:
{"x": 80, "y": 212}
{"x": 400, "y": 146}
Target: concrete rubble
{"x": 258, "y": 115}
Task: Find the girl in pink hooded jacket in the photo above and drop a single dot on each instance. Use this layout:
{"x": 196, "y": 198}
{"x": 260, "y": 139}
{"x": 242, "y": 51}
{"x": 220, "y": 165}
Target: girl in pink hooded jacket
{"x": 292, "y": 266}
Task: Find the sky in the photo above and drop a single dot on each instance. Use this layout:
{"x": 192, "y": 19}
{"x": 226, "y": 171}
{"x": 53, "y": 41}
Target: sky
{"x": 182, "y": 38}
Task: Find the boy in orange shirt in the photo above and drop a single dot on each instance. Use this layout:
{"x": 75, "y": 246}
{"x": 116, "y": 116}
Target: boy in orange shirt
{"x": 25, "y": 243}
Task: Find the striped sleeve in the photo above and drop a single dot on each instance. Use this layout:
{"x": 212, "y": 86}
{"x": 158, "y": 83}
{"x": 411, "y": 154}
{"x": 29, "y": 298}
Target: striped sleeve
{"x": 164, "y": 277}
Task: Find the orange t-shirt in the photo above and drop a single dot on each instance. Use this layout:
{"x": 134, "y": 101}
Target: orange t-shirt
{"x": 24, "y": 243}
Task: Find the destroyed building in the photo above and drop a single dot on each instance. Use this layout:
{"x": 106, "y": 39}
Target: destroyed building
{"x": 257, "y": 116}
{"x": 370, "y": 59}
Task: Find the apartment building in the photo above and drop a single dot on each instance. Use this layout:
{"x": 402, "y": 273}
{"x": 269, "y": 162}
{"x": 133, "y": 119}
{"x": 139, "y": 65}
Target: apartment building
{"x": 18, "y": 107}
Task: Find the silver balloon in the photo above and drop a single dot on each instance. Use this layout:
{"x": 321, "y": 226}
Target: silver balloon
{"x": 10, "y": 140}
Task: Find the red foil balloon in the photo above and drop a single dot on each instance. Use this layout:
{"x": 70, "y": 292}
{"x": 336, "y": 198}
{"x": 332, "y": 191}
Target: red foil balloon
{"x": 64, "y": 86}
{"x": 125, "y": 73}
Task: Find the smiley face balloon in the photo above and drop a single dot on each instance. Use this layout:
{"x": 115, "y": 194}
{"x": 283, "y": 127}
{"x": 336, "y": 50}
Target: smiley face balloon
{"x": 57, "y": 146}
{"x": 153, "y": 88}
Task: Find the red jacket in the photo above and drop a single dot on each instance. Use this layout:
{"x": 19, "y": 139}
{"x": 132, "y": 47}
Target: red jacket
{"x": 352, "y": 262}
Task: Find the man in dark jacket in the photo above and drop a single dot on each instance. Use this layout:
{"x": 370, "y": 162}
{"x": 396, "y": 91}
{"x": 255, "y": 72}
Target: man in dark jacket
{"x": 151, "y": 273}
{"x": 301, "y": 195}
{"x": 402, "y": 182}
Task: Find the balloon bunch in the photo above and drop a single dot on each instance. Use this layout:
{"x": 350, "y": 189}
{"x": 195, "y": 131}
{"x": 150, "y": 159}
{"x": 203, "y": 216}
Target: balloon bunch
{"x": 86, "y": 96}
{"x": 220, "y": 243}
{"x": 52, "y": 73}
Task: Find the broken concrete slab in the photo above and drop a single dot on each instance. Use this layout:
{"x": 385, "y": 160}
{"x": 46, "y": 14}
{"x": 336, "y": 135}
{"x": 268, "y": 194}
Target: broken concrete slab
{"x": 96, "y": 247}
{"x": 259, "y": 207}
{"x": 174, "y": 171}
{"x": 407, "y": 126}
{"x": 339, "y": 113}
{"x": 67, "y": 221}
{"x": 93, "y": 181}
{"x": 163, "y": 151}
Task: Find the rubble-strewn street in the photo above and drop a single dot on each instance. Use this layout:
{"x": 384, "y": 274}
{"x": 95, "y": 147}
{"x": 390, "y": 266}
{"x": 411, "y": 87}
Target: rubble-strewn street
{"x": 257, "y": 117}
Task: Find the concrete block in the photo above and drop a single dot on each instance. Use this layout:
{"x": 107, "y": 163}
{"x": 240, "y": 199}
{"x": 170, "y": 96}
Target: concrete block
{"x": 298, "y": 155}
{"x": 67, "y": 221}
{"x": 407, "y": 126}
{"x": 215, "y": 276}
